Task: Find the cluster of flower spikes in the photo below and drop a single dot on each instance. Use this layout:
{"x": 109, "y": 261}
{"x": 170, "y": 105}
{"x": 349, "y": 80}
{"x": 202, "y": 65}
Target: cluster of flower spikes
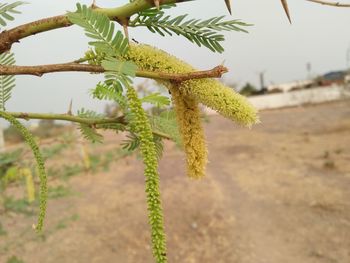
{"x": 186, "y": 96}
{"x": 29, "y": 139}
{"x": 141, "y": 126}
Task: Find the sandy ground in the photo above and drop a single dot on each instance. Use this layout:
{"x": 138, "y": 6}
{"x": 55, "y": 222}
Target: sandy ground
{"x": 279, "y": 192}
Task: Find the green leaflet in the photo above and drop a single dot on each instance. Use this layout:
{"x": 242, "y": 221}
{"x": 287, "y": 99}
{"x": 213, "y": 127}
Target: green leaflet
{"x": 90, "y": 134}
{"x": 28, "y": 137}
{"x": 166, "y": 122}
{"x": 156, "y": 99}
{"x": 108, "y": 45}
{"x": 7, "y": 9}
{"x": 118, "y": 73}
{"x": 140, "y": 125}
{"x": 132, "y": 143}
{"x": 7, "y": 83}
{"x": 102, "y": 91}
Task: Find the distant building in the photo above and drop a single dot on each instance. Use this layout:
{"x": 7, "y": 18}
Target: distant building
{"x": 334, "y": 77}
{"x": 285, "y": 87}
{"x": 328, "y": 79}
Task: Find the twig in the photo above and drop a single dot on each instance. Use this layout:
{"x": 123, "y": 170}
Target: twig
{"x": 40, "y": 70}
{"x": 66, "y": 117}
{"x": 94, "y": 122}
{"x": 44, "y": 69}
{"x": 216, "y": 72}
{"x": 336, "y": 4}
{"x": 7, "y": 38}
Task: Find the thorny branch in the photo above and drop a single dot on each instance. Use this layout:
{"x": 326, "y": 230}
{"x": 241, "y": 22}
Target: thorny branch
{"x": 8, "y": 37}
{"x": 216, "y": 72}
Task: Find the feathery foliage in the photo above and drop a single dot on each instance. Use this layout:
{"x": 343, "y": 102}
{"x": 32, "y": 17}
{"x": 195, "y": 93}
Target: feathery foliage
{"x": 159, "y": 144}
{"x": 98, "y": 27}
{"x": 7, "y": 9}
{"x": 28, "y": 137}
{"x": 142, "y": 128}
{"x": 132, "y": 143}
{"x": 102, "y": 91}
{"x": 119, "y": 73}
{"x": 89, "y": 132}
{"x": 7, "y": 83}
{"x": 112, "y": 126}
{"x": 200, "y": 32}
{"x": 108, "y": 46}
{"x": 166, "y": 122}
{"x": 156, "y": 99}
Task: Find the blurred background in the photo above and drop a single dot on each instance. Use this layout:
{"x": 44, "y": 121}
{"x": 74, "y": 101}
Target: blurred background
{"x": 278, "y": 192}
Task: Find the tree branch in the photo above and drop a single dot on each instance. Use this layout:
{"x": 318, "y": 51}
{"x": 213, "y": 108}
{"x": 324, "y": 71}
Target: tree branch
{"x": 7, "y": 38}
{"x": 216, "y": 72}
{"x": 336, "y": 4}
{"x": 67, "y": 117}
{"x": 94, "y": 122}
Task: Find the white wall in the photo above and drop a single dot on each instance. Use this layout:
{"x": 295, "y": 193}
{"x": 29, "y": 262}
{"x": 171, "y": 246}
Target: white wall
{"x": 300, "y": 97}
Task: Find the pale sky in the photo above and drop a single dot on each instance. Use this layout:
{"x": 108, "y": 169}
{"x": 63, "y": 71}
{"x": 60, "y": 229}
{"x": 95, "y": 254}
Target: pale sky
{"x": 319, "y": 35}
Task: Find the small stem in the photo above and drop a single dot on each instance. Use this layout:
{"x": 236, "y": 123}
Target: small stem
{"x": 81, "y": 60}
{"x": 216, "y": 72}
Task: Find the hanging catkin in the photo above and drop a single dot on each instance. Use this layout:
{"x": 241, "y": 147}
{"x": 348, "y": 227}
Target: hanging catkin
{"x": 191, "y": 130}
{"x": 141, "y": 126}
{"x": 29, "y": 139}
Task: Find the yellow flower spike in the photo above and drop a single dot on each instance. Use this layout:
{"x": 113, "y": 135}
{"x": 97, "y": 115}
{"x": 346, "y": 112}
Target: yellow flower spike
{"x": 210, "y": 92}
{"x": 191, "y": 130}
{"x": 27, "y": 173}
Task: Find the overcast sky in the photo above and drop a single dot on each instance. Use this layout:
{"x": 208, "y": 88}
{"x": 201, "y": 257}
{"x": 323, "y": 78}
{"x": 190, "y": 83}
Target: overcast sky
{"x": 319, "y": 35}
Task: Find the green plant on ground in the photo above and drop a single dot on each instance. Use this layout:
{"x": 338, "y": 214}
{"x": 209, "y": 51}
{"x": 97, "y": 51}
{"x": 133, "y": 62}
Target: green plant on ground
{"x": 2, "y": 230}
{"x": 112, "y": 53}
{"x": 14, "y": 259}
{"x": 21, "y": 206}
{"x": 64, "y": 222}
